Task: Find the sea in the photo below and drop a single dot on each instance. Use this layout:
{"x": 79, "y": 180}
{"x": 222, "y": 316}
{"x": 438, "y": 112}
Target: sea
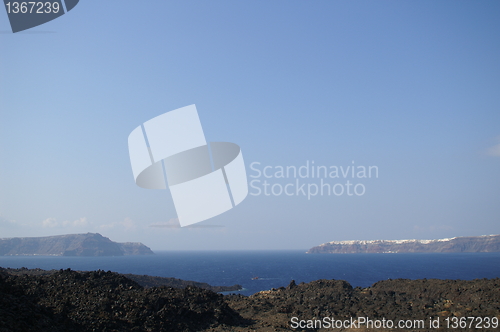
{"x": 264, "y": 270}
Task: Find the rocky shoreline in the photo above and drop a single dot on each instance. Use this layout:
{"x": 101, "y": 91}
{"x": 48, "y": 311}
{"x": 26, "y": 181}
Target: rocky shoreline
{"x": 67, "y": 300}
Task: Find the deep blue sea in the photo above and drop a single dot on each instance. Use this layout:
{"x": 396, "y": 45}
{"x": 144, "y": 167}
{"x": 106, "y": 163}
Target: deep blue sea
{"x": 277, "y": 268}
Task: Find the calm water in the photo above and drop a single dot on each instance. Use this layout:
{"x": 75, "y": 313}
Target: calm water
{"x": 277, "y": 268}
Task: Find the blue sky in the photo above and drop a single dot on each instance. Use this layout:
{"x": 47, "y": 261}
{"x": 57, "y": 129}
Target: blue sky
{"x": 410, "y": 87}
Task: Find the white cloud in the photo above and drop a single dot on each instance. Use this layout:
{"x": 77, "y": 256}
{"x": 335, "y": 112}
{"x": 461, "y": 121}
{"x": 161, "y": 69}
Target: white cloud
{"x": 128, "y": 224}
{"x": 172, "y": 223}
{"x": 8, "y": 222}
{"x": 77, "y": 223}
{"x": 80, "y": 222}
{"x": 494, "y": 151}
{"x": 50, "y": 222}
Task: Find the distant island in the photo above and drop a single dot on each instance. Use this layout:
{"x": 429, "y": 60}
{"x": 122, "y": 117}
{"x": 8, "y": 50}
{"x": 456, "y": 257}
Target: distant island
{"x": 90, "y": 244}
{"x": 485, "y": 243}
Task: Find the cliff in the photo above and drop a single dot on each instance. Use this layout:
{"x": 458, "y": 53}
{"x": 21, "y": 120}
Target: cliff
{"x": 486, "y": 243}
{"x": 90, "y": 244}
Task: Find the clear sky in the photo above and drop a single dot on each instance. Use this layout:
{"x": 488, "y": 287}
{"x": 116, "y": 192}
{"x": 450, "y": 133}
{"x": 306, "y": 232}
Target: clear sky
{"x": 411, "y": 87}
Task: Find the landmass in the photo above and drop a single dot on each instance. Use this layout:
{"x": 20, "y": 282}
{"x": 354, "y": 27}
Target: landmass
{"x": 150, "y": 281}
{"x": 485, "y": 243}
{"x": 143, "y": 280}
{"x": 106, "y": 301}
{"x": 90, "y": 244}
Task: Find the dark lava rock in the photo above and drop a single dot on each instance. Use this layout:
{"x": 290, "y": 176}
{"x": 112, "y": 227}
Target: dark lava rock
{"x": 106, "y": 301}
{"x": 390, "y": 299}
{"x": 143, "y": 280}
{"x": 149, "y": 281}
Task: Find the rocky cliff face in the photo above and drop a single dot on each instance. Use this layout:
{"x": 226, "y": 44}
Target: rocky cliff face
{"x": 90, "y": 244}
{"x": 487, "y": 243}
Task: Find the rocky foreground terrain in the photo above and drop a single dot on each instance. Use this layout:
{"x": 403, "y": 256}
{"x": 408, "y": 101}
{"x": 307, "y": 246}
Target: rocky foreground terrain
{"x": 105, "y": 301}
{"x": 485, "y": 243}
{"x": 89, "y": 244}
{"x": 143, "y": 280}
